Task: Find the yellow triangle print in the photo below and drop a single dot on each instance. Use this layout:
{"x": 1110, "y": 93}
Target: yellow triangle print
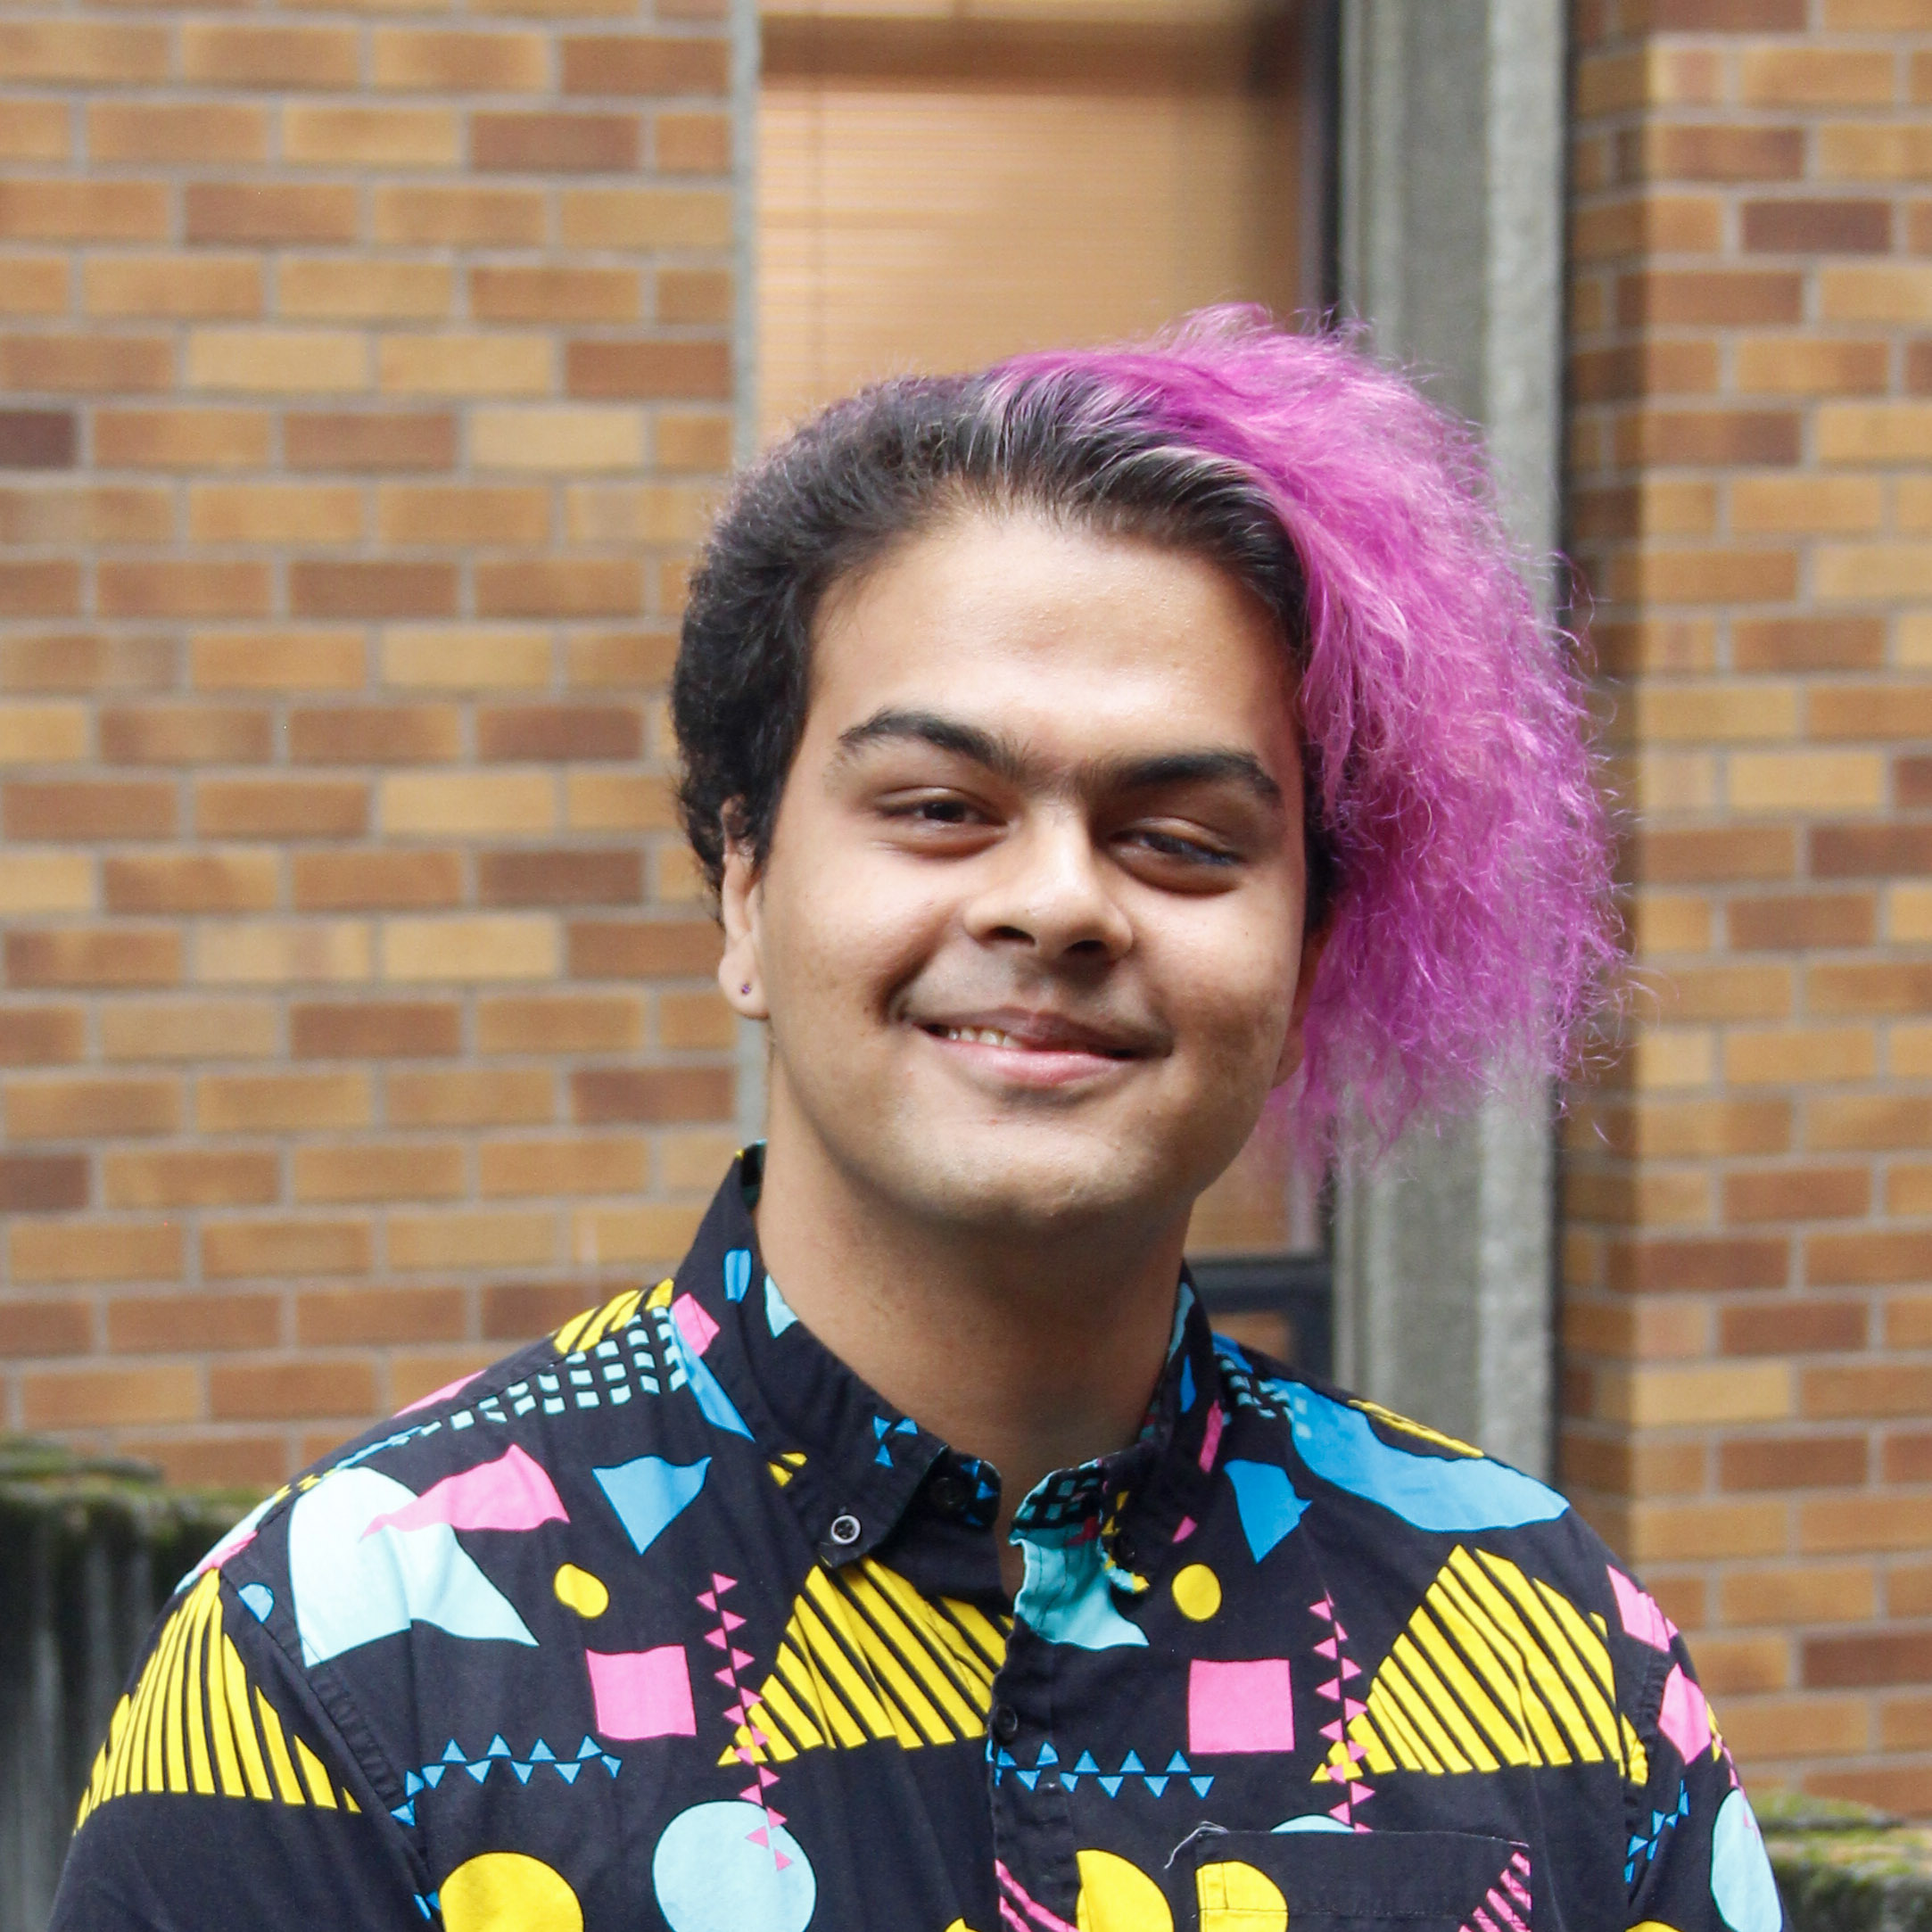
{"x": 195, "y": 1723}
{"x": 585, "y": 1331}
{"x": 1494, "y": 1668}
{"x": 865, "y": 1657}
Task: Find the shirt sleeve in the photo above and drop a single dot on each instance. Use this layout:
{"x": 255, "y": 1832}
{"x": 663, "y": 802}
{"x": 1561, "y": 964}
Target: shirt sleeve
{"x": 1695, "y": 1861}
{"x": 223, "y": 1796}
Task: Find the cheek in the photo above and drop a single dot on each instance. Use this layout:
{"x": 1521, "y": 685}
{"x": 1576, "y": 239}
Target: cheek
{"x": 854, "y": 934}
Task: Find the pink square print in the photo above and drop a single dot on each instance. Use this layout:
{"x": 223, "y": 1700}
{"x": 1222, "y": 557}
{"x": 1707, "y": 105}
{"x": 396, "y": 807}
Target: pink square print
{"x": 1239, "y": 1706}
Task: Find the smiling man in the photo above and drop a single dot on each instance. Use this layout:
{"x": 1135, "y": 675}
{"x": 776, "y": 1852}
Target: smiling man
{"x": 1081, "y": 752}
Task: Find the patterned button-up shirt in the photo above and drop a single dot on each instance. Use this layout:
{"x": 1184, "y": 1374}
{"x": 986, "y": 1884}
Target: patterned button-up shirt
{"x": 668, "y": 1620}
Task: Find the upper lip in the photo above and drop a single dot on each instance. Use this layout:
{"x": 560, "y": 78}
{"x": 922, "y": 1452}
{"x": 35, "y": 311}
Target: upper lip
{"x": 1045, "y": 1032}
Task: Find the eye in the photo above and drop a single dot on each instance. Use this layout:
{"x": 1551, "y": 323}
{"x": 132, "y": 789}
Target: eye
{"x": 1179, "y": 849}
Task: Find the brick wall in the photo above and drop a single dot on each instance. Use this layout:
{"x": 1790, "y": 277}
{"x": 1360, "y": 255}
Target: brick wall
{"x": 1748, "y": 1328}
{"x": 366, "y": 372}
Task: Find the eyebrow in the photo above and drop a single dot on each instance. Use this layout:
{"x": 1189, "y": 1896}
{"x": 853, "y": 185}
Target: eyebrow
{"x": 1005, "y": 758}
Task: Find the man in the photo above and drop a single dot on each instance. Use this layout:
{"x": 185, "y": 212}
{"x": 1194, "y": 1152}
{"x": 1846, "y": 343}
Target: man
{"x": 1081, "y": 752}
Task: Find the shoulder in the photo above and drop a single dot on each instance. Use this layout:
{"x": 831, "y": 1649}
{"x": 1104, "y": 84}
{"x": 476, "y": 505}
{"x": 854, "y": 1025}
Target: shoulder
{"x": 1418, "y": 1506}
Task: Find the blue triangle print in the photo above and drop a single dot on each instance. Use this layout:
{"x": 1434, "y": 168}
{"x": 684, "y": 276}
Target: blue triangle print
{"x": 523, "y": 1773}
{"x": 568, "y": 1772}
{"x": 451, "y": 1754}
{"x": 404, "y": 1814}
{"x": 479, "y": 1769}
{"x": 1087, "y": 1762}
{"x": 1027, "y": 1778}
{"x": 1132, "y": 1762}
{"x": 1111, "y": 1785}
{"x": 1157, "y": 1786}
{"x": 432, "y": 1774}
{"x": 1201, "y": 1786}
{"x": 498, "y": 1749}
{"x": 541, "y": 1754}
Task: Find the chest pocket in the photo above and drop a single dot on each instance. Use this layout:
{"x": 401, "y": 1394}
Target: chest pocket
{"x": 1319, "y": 1881}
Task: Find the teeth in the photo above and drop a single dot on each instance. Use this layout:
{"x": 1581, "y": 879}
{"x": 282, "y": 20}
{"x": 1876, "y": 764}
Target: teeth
{"x": 980, "y": 1035}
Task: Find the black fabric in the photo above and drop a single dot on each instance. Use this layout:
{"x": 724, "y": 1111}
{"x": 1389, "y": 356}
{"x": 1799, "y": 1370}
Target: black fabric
{"x": 669, "y": 1622}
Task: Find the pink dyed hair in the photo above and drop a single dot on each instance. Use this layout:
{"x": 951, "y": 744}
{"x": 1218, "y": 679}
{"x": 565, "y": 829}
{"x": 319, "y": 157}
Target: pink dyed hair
{"x": 1472, "y": 934}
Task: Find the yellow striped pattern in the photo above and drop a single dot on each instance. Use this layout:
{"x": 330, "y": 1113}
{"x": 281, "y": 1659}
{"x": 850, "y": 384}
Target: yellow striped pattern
{"x": 1494, "y": 1669}
{"x": 866, "y": 1658}
{"x": 585, "y": 1331}
{"x": 194, "y": 1723}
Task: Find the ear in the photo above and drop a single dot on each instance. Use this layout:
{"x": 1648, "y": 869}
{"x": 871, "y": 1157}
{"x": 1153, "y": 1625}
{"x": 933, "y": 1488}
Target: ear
{"x": 740, "y": 905}
{"x": 1313, "y": 945}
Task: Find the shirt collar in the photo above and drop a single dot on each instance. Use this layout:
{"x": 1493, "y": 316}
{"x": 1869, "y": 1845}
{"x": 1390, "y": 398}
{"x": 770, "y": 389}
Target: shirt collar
{"x": 852, "y": 1464}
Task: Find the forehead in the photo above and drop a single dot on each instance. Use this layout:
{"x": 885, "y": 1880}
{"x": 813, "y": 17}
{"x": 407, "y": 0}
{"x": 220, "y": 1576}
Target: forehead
{"x": 1070, "y": 639}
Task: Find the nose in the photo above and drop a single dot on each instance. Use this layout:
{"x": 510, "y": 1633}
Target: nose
{"x": 1047, "y": 890}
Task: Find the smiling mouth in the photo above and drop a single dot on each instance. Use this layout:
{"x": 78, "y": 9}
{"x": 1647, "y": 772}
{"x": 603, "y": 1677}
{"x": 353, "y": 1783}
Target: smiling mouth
{"x": 995, "y": 1036}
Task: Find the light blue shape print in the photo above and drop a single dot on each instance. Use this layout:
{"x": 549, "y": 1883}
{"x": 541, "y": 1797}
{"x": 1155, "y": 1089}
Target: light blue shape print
{"x": 716, "y": 1407}
{"x": 1742, "y": 1886}
{"x": 259, "y": 1598}
{"x": 1314, "y": 1821}
{"x": 737, "y": 1274}
{"x": 350, "y": 1588}
{"x": 725, "y": 1867}
{"x": 1066, "y": 1597}
{"x": 650, "y": 1494}
{"x": 1449, "y": 1495}
{"x": 778, "y": 1313}
{"x": 1268, "y": 1506}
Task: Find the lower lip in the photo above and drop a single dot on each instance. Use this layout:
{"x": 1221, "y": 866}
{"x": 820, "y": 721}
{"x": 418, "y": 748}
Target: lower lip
{"x": 1030, "y": 1066}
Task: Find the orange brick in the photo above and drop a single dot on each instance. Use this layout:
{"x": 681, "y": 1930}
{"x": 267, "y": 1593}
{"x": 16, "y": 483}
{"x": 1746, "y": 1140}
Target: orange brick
{"x": 1863, "y": 1391}
{"x": 384, "y": 439}
{"x": 278, "y": 1392}
{"x": 694, "y": 442}
{"x": 280, "y": 808}
{"x": 1849, "y": 1525}
{"x": 645, "y": 217}
{"x": 342, "y": 1317}
{"x": 306, "y": 660}
{"x": 271, "y": 211}
{"x": 185, "y": 1029}
{"x": 556, "y": 144}
{"x": 75, "y": 1108}
{"x": 558, "y": 293}
{"x": 370, "y": 136}
{"x": 80, "y": 1398}
{"x": 36, "y": 130}
{"x": 351, "y": 289}
{"x": 598, "y": 1023}
{"x": 379, "y": 1171}
{"x": 190, "y": 1178}
{"x": 1814, "y": 76}
{"x": 642, "y": 63}
{"x": 279, "y": 359}
{"x": 58, "y": 1327}
{"x": 112, "y": 514}
{"x": 413, "y": 1376}
{"x": 695, "y": 1020}
{"x": 376, "y": 1029}
{"x": 695, "y": 296}
{"x": 1757, "y": 1728}
{"x": 692, "y": 143}
{"x": 344, "y": 880}
{"x": 198, "y": 882}
{"x": 374, "y": 734}
{"x": 647, "y": 1235}
{"x": 429, "y": 62}
{"x": 472, "y": 1097}
{"x": 220, "y": 132}
{"x": 1908, "y": 1322}
{"x": 1795, "y": 1054}
{"x": 231, "y": 1250}
{"x": 274, "y": 513}
{"x": 149, "y": 1324}
{"x": 226, "y": 53}
{"x": 171, "y": 285}
{"x": 496, "y": 217}
{"x": 453, "y": 364}
{"x": 69, "y": 1251}
{"x": 1797, "y": 1193}
{"x": 462, "y": 514}
{"x": 35, "y": 285}
{"x": 266, "y": 1102}
{"x": 500, "y": 1238}
{"x": 601, "y": 1166}
{"x": 85, "y": 364}
{"x": 181, "y": 439}
{"x": 122, "y": 956}
{"x": 59, "y": 210}
{"x": 228, "y": 1461}
{"x": 48, "y": 1035}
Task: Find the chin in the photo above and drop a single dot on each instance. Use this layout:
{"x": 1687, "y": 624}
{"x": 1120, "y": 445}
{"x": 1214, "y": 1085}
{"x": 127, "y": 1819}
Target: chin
{"x": 1026, "y": 1191}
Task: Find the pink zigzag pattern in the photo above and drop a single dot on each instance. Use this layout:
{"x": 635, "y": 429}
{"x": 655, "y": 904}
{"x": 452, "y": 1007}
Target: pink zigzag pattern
{"x": 742, "y": 1710}
{"x": 1336, "y": 1730}
{"x": 1507, "y": 1908}
{"x": 1037, "y": 1919}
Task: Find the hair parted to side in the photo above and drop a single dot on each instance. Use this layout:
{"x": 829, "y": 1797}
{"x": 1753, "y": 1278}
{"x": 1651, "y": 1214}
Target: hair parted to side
{"x": 1458, "y": 853}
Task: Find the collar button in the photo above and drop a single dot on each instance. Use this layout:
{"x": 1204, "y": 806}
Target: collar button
{"x": 1005, "y": 1722}
{"x": 846, "y": 1529}
{"x": 950, "y": 1493}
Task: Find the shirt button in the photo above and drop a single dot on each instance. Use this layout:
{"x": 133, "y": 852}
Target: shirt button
{"x": 950, "y": 1494}
{"x": 1005, "y": 1722}
{"x": 1125, "y": 1551}
{"x": 846, "y": 1529}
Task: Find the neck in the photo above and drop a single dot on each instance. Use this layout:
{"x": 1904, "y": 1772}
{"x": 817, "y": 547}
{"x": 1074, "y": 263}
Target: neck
{"x": 1034, "y": 1353}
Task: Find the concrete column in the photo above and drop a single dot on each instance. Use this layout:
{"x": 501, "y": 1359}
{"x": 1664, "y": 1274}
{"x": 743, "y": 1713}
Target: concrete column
{"x": 1451, "y": 245}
